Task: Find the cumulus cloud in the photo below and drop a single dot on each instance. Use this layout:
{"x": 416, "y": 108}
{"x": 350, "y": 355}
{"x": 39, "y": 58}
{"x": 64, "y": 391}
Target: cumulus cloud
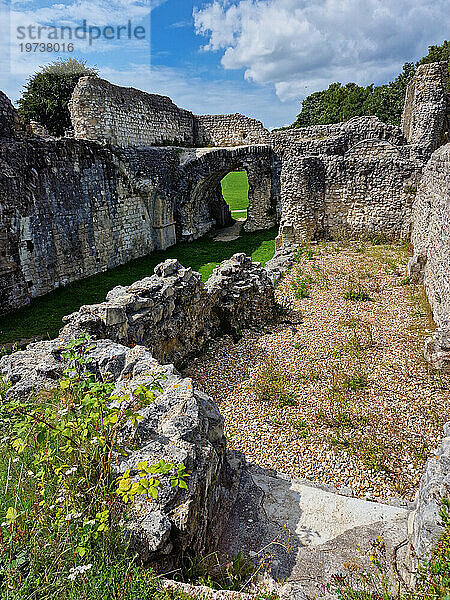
{"x": 301, "y": 46}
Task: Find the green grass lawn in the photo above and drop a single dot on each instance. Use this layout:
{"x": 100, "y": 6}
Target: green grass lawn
{"x": 42, "y": 318}
{"x": 235, "y": 192}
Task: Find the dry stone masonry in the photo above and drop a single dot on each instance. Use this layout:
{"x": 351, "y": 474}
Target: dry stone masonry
{"x": 174, "y": 314}
{"x": 71, "y": 208}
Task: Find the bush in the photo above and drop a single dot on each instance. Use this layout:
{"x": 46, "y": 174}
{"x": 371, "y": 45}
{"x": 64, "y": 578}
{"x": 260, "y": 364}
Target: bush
{"x": 60, "y": 508}
{"x": 47, "y": 93}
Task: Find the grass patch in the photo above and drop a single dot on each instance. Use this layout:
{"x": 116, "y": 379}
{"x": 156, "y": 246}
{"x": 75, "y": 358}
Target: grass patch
{"x": 235, "y": 191}
{"x": 271, "y": 384}
{"x": 357, "y": 293}
{"x": 42, "y": 318}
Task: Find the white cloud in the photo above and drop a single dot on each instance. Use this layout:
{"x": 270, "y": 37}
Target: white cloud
{"x": 301, "y": 46}
{"x": 201, "y": 96}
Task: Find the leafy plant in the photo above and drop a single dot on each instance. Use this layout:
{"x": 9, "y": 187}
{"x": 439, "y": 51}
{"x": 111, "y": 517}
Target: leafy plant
{"x": 47, "y": 93}
{"x": 57, "y": 496}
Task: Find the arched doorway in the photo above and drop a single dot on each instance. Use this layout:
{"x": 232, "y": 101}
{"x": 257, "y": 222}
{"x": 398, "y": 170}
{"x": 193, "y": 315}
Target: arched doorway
{"x": 235, "y": 189}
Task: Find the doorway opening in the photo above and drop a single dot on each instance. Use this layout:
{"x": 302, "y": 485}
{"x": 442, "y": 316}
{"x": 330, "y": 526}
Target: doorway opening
{"x": 235, "y": 192}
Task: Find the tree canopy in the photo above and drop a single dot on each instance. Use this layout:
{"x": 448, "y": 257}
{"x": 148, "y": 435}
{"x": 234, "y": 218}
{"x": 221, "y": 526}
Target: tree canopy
{"x": 47, "y": 93}
{"x": 341, "y": 102}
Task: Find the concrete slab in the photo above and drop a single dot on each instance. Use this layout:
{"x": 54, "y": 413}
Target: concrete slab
{"x": 312, "y": 533}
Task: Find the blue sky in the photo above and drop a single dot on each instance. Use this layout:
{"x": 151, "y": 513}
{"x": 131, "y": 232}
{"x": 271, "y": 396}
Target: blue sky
{"x": 257, "y": 57}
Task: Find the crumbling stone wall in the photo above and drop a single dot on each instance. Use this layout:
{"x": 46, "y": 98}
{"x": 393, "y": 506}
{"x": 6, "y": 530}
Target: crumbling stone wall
{"x": 425, "y": 114}
{"x": 174, "y": 314}
{"x": 71, "y": 209}
{"x": 102, "y": 111}
{"x": 430, "y": 263}
{"x": 368, "y": 190}
{"x": 229, "y": 130}
{"x": 337, "y": 138}
{"x": 121, "y": 116}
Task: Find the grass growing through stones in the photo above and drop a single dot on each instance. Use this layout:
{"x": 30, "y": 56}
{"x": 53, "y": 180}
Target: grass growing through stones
{"x": 42, "y": 319}
{"x": 371, "y": 408}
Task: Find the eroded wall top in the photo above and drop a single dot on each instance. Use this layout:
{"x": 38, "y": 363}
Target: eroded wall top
{"x": 101, "y": 111}
{"x": 425, "y": 120}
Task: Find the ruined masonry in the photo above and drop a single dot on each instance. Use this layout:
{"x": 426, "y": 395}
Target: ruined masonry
{"x": 141, "y": 174}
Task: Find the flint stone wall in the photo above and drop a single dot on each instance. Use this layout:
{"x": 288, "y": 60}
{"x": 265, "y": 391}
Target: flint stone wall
{"x": 72, "y": 209}
{"x": 368, "y": 190}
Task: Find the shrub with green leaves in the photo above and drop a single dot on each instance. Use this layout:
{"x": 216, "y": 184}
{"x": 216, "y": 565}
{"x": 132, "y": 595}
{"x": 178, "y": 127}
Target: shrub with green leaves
{"x": 47, "y": 93}
{"x": 60, "y": 505}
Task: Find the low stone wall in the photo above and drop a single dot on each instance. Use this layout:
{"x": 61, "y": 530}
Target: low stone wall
{"x": 181, "y": 425}
{"x": 174, "y": 314}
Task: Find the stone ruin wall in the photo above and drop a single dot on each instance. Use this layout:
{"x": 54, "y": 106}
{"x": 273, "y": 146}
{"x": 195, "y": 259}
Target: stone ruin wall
{"x": 426, "y": 115}
{"x": 366, "y": 187}
{"x": 71, "y": 209}
{"x": 229, "y": 130}
{"x": 101, "y": 111}
{"x": 431, "y": 233}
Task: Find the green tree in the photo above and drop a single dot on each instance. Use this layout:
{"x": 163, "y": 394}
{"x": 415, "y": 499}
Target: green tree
{"x": 341, "y": 102}
{"x": 46, "y": 94}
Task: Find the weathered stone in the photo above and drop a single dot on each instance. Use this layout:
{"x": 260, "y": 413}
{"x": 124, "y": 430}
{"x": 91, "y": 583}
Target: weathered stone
{"x": 174, "y": 314}
{"x": 437, "y": 350}
{"x": 181, "y": 425}
{"x": 431, "y": 232}
{"x": 425, "y": 524}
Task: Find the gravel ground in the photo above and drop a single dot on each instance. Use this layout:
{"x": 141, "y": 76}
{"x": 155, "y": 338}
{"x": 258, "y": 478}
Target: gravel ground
{"x": 344, "y": 397}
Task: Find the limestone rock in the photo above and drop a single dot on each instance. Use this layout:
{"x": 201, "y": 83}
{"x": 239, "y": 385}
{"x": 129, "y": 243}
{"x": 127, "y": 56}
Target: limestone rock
{"x": 174, "y": 314}
{"x": 425, "y": 525}
{"x": 437, "y": 350}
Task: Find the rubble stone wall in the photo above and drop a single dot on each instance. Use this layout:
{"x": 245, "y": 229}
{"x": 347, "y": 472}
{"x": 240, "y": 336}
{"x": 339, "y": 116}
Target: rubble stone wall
{"x": 229, "y": 130}
{"x": 174, "y": 314}
{"x": 367, "y": 191}
{"x": 425, "y": 115}
{"x": 122, "y": 116}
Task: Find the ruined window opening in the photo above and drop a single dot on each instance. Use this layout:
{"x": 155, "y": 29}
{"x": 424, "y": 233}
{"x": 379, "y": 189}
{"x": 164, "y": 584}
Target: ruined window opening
{"x": 235, "y": 192}
{"x": 30, "y": 246}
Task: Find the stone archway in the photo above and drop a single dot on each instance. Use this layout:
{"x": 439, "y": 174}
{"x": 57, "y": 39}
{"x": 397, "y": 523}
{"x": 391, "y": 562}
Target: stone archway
{"x": 203, "y": 208}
